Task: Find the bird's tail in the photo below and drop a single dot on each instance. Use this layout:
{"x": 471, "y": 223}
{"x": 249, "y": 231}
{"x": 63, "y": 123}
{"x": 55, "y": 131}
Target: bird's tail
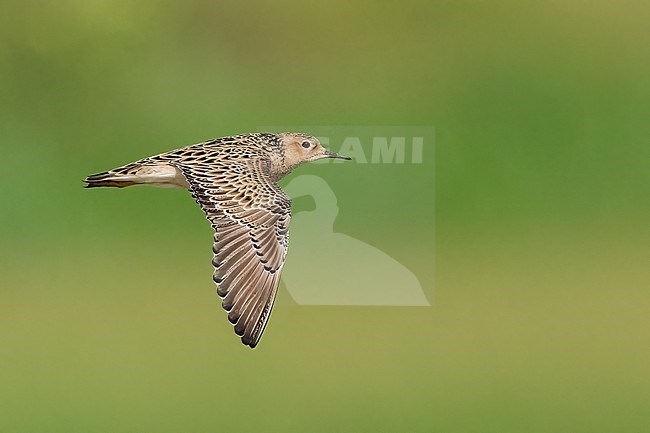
{"x": 160, "y": 174}
{"x": 107, "y": 179}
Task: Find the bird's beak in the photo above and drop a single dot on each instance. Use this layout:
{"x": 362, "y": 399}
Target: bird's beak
{"x": 329, "y": 154}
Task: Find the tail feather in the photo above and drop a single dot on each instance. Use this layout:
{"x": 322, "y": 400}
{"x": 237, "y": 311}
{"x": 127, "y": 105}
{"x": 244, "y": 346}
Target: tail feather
{"x": 163, "y": 175}
{"x": 109, "y": 179}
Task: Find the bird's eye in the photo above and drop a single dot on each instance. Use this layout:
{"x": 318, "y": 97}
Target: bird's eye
{"x": 306, "y": 144}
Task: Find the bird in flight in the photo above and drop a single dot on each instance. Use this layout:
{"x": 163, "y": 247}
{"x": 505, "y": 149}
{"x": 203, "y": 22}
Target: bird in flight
{"x": 234, "y": 180}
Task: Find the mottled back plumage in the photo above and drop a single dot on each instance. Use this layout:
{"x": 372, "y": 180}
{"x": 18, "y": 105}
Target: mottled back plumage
{"x": 234, "y": 180}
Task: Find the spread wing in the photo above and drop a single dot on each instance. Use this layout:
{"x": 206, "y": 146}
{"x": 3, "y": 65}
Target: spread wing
{"x": 250, "y": 216}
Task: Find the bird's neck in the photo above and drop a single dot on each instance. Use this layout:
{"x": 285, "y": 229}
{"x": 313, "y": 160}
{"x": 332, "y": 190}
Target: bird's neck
{"x": 279, "y": 167}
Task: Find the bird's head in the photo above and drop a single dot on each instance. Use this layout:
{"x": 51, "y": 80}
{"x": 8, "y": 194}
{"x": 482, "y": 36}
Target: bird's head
{"x": 301, "y": 148}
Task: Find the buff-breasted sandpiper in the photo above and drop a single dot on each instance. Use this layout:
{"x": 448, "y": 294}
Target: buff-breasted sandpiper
{"x": 234, "y": 180}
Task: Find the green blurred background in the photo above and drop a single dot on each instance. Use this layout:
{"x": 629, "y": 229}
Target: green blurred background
{"x": 108, "y": 317}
